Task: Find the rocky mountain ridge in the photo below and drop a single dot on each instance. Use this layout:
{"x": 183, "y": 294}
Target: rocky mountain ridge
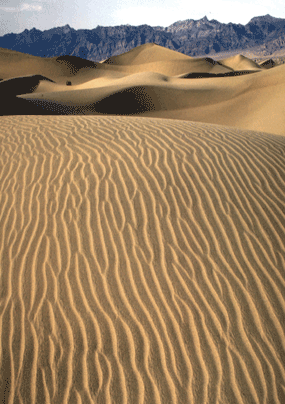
{"x": 191, "y": 37}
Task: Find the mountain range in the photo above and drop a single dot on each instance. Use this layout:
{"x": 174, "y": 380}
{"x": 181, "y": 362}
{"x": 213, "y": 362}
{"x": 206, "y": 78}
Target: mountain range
{"x": 191, "y": 37}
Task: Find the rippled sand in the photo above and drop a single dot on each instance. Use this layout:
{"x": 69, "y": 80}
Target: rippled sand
{"x": 142, "y": 261}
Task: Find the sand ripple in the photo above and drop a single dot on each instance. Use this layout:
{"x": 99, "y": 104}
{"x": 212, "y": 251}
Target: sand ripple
{"x": 142, "y": 261}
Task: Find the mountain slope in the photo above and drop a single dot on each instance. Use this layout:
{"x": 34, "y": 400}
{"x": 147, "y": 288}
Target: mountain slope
{"x": 191, "y": 37}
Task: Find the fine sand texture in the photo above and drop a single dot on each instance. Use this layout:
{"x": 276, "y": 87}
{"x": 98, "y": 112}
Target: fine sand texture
{"x": 142, "y": 259}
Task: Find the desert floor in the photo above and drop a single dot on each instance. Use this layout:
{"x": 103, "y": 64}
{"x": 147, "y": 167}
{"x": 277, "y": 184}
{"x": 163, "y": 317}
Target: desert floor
{"x": 142, "y": 230}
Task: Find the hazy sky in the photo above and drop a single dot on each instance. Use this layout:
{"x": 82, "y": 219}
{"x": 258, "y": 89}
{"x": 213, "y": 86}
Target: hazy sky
{"x": 17, "y": 15}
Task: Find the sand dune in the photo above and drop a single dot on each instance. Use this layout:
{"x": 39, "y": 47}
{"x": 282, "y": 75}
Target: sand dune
{"x": 254, "y": 101}
{"x": 144, "y": 54}
{"x": 155, "y": 58}
{"x": 240, "y": 62}
{"x": 150, "y": 81}
{"x": 142, "y": 261}
{"x": 142, "y": 235}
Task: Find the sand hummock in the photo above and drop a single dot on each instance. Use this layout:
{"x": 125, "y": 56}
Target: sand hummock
{"x": 142, "y": 230}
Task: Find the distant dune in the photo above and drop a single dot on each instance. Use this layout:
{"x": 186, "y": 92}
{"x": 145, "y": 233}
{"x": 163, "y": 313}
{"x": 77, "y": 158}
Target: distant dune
{"x": 240, "y": 62}
{"x": 152, "y": 81}
{"x": 142, "y": 234}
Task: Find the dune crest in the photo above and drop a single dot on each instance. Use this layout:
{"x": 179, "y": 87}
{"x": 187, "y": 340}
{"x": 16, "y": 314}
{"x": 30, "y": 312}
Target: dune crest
{"x": 146, "y": 53}
{"x": 142, "y": 261}
{"x": 240, "y": 62}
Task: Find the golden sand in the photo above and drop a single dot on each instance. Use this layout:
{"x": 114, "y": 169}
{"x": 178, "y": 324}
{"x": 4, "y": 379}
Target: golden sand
{"x": 142, "y": 257}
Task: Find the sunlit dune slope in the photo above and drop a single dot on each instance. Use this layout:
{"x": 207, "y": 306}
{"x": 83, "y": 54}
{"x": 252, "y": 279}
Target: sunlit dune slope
{"x": 155, "y": 58}
{"x": 142, "y": 261}
{"x": 149, "y": 52}
{"x": 240, "y": 62}
{"x": 254, "y": 101}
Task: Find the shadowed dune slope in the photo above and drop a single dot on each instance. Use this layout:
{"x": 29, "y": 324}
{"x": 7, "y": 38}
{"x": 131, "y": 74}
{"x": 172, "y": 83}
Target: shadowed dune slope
{"x": 232, "y": 73}
{"x": 21, "y": 85}
{"x": 142, "y": 261}
{"x": 267, "y": 64}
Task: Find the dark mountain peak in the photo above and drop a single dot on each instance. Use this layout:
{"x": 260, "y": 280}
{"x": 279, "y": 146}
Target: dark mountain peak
{"x": 264, "y": 18}
{"x": 202, "y": 23}
{"x": 66, "y": 29}
{"x": 30, "y": 31}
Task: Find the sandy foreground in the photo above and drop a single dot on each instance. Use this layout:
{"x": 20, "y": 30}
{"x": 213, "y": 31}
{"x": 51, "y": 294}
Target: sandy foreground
{"x": 142, "y": 234}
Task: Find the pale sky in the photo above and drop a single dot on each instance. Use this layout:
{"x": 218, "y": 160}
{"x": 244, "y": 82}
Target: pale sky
{"x": 17, "y": 15}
